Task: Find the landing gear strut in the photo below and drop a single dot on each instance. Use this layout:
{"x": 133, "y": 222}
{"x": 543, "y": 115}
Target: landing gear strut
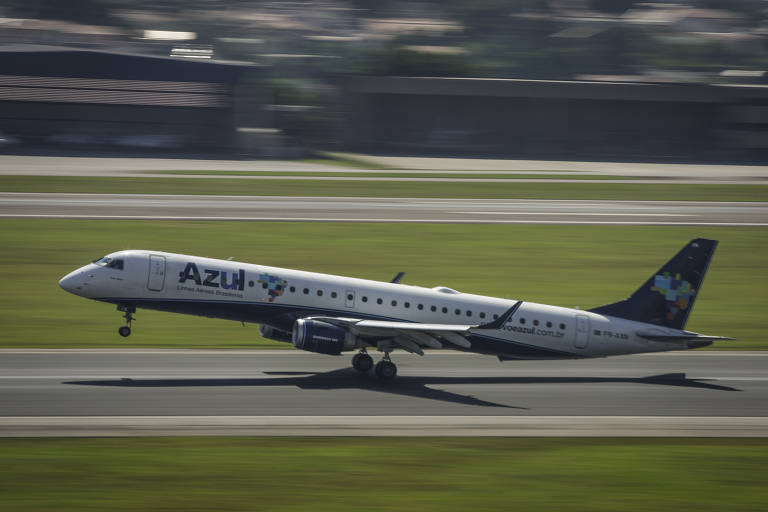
{"x": 386, "y": 369}
{"x": 125, "y": 330}
{"x": 362, "y": 362}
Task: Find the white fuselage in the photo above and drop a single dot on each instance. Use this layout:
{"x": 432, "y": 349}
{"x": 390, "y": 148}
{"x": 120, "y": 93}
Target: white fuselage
{"x": 277, "y": 296}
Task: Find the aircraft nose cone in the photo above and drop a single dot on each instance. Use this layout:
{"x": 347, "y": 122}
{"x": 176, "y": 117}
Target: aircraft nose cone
{"x": 68, "y": 282}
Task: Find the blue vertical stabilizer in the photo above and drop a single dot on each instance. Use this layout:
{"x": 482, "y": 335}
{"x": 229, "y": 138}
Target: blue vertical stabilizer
{"x": 667, "y": 298}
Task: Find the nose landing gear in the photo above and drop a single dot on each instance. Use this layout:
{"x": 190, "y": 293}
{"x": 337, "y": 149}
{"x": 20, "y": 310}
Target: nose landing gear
{"x": 125, "y": 330}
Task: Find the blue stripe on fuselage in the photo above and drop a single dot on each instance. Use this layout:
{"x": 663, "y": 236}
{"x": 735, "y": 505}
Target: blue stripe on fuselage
{"x": 283, "y": 316}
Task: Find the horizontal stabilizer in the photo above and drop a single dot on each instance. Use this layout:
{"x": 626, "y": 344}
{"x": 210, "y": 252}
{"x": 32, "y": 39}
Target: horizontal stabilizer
{"x": 653, "y": 336}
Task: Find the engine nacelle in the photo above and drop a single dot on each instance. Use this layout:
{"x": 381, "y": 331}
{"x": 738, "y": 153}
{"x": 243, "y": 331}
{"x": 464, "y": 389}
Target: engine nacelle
{"x": 321, "y": 337}
{"x": 271, "y": 333}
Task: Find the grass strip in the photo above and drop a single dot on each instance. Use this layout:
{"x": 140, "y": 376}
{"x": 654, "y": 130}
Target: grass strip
{"x": 564, "y": 265}
{"x": 403, "y": 174}
{"x": 313, "y": 188}
{"x": 402, "y": 474}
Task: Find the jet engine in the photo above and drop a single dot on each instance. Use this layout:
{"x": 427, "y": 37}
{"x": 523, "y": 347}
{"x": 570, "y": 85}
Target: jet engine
{"x": 321, "y": 337}
{"x": 271, "y": 333}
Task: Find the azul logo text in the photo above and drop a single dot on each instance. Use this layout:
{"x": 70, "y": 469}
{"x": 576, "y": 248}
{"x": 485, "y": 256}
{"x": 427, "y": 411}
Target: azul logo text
{"x": 213, "y": 278}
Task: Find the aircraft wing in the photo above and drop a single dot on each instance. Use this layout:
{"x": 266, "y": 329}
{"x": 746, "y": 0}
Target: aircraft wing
{"x": 412, "y": 336}
{"x": 408, "y": 326}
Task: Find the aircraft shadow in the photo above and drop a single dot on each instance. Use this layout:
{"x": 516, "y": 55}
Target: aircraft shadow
{"x": 418, "y": 387}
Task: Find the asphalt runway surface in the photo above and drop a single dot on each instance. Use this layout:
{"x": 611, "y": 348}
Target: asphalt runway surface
{"x": 182, "y": 392}
{"x": 360, "y": 209}
{"x": 35, "y": 165}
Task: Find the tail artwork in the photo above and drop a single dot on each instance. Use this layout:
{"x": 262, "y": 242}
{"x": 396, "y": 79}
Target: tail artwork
{"x": 667, "y": 298}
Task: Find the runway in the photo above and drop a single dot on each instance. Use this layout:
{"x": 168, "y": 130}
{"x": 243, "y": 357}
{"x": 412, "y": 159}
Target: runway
{"x": 361, "y": 209}
{"x": 182, "y": 392}
{"x": 62, "y": 165}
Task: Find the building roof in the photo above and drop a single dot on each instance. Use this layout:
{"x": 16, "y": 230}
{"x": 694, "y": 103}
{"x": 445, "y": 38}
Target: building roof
{"x": 57, "y": 61}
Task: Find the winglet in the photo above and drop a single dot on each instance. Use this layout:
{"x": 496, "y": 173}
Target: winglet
{"x": 398, "y": 277}
{"x": 499, "y": 322}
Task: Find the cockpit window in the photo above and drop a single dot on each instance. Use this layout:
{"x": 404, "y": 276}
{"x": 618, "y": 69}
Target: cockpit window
{"x": 110, "y": 263}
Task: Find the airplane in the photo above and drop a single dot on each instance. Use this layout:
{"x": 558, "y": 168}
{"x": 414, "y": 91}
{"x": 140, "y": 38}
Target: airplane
{"x": 330, "y": 314}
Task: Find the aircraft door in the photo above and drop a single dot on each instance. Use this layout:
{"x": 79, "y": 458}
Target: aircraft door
{"x": 582, "y": 332}
{"x": 349, "y": 298}
{"x": 156, "y": 279}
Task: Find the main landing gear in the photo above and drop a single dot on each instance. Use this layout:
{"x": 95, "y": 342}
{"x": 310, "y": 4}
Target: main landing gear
{"x": 362, "y": 362}
{"x": 385, "y": 369}
{"x": 125, "y": 330}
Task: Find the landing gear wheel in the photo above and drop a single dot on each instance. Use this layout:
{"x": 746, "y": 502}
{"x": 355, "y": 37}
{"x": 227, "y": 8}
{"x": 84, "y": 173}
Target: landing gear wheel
{"x": 386, "y": 370}
{"x": 362, "y": 362}
{"x": 125, "y": 330}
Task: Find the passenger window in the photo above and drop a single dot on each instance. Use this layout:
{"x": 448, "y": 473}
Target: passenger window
{"x": 293, "y": 289}
{"x": 350, "y": 297}
{"x": 469, "y": 313}
{"x": 445, "y": 310}
{"x": 457, "y": 311}
{"x": 549, "y": 324}
{"x": 365, "y": 299}
{"x": 420, "y": 306}
{"x": 495, "y": 316}
{"x": 334, "y": 295}
{"x": 251, "y": 283}
{"x": 394, "y": 303}
{"x": 482, "y": 315}
{"x": 562, "y": 327}
{"x": 319, "y": 293}
{"x": 379, "y": 301}
{"x": 407, "y": 304}
{"x": 522, "y": 321}
{"x": 306, "y": 291}
{"x": 535, "y": 322}
{"x": 433, "y": 308}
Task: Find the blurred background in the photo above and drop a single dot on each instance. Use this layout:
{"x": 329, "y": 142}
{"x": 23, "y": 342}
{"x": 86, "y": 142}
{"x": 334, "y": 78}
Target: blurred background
{"x": 594, "y": 79}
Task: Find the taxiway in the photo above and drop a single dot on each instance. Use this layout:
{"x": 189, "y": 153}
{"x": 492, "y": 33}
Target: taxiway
{"x": 362, "y": 209}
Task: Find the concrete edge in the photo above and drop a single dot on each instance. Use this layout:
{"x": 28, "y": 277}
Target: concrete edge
{"x": 378, "y": 426}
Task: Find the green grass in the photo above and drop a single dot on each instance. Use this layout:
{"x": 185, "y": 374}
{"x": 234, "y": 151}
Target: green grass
{"x": 513, "y": 189}
{"x": 565, "y": 265}
{"x": 404, "y": 175}
{"x": 393, "y": 474}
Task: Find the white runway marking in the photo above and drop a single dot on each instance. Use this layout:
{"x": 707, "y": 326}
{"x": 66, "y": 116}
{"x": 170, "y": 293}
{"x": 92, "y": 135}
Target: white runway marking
{"x": 585, "y": 214}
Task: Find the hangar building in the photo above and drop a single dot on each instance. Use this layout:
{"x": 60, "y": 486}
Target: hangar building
{"x": 83, "y": 98}
{"x": 556, "y": 119}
